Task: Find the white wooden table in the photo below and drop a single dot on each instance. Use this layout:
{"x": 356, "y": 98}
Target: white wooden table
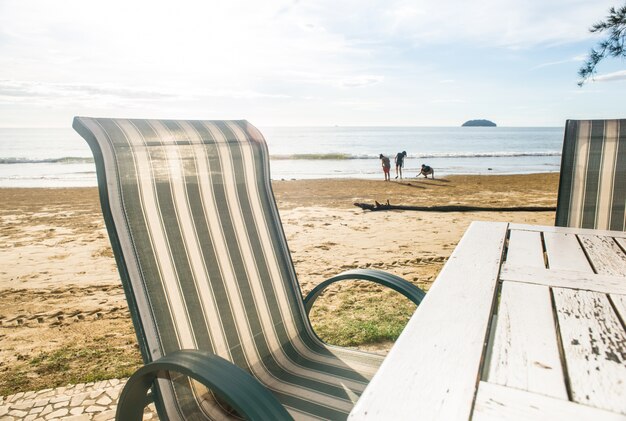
{"x": 523, "y": 322}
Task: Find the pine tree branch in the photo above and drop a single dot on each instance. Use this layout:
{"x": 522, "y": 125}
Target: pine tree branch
{"x": 613, "y": 46}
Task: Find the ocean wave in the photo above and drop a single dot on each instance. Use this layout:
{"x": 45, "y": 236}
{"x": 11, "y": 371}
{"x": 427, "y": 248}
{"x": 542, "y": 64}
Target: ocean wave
{"x": 313, "y": 156}
{"x": 62, "y": 160}
{"x": 344, "y": 156}
{"x": 485, "y": 154}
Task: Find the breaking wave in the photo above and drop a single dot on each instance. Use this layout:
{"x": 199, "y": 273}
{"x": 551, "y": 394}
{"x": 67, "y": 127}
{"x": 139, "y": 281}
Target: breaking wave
{"x": 62, "y": 160}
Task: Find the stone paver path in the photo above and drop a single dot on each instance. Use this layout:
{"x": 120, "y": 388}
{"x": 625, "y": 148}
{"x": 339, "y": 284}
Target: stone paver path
{"x": 81, "y": 402}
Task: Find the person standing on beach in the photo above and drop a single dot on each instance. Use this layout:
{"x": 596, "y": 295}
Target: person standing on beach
{"x": 386, "y": 166}
{"x": 400, "y": 163}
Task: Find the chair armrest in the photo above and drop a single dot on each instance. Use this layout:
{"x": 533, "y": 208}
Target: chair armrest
{"x": 238, "y": 388}
{"x": 394, "y": 282}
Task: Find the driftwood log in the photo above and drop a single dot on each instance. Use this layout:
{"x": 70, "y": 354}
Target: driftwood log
{"x": 454, "y": 208}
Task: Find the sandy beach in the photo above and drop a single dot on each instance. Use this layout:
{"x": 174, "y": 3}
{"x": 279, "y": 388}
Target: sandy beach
{"x": 59, "y": 287}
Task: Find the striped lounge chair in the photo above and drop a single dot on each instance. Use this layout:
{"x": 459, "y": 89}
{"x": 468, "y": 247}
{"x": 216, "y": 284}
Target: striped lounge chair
{"x": 592, "y": 188}
{"x": 211, "y": 288}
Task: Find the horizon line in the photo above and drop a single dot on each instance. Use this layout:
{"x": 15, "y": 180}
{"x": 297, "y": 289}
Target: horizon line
{"x": 325, "y": 126}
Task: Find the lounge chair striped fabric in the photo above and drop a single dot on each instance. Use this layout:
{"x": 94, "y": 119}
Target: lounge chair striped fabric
{"x": 592, "y": 188}
{"x": 205, "y": 264}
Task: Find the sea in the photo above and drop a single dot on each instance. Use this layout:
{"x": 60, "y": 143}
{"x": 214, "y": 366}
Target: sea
{"x": 59, "y": 157}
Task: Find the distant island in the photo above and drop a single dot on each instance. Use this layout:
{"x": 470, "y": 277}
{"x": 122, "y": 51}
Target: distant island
{"x": 478, "y": 123}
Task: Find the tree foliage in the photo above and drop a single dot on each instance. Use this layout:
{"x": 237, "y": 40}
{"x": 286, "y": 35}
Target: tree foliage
{"x": 612, "y": 46}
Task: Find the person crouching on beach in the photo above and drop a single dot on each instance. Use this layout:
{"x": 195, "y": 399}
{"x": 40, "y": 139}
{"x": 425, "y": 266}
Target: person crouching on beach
{"x": 386, "y": 166}
{"x": 426, "y": 170}
{"x": 400, "y": 163}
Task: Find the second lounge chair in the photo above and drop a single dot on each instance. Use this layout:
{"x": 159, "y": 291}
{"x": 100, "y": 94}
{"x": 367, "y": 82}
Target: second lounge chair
{"x": 592, "y": 187}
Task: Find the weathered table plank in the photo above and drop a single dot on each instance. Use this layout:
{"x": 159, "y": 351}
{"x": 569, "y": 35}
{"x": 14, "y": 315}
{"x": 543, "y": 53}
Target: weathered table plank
{"x": 564, "y": 252}
{"x": 525, "y": 353}
{"x": 622, "y": 242}
{"x": 564, "y": 278}
{"x": 594, "y": 344}
{"x": 498, "y": 403}
{"x": 620, "y": 305}
{"x": 433, "y": 368}
{"x": 525, "y": 249}
{"x": 605, "y": 255}
{"x": 566, "y": 230}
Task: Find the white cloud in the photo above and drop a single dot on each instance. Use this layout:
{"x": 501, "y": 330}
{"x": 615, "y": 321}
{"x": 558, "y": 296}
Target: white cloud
{"x": 448, "y": 101}
{"x": 610, "y": 77}
{"x": 210, "y": 44}
{"x": 38, "y": 89}
{"x": 361, "y": 80}
{"x": 510, "y": 23}
{"x": 38, "y": 92}
{"x": 341, "y": 79}
{"x": 359, "y": 105}
{"x": 574, "y": 59}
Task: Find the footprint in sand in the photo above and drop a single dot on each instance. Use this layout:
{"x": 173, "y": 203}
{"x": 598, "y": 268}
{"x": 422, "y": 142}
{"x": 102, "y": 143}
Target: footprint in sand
{"x": 59, "y": 256}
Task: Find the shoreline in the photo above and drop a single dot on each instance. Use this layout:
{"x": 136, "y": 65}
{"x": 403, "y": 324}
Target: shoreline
{"x": 83, "y": 175}
{"x": 375, "y": 177}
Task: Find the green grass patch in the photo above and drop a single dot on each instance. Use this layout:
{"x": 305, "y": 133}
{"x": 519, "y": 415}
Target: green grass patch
{"x": 355, "y": 317}
{"x": 355, "y": 314}
{"x": 83, "y": 363}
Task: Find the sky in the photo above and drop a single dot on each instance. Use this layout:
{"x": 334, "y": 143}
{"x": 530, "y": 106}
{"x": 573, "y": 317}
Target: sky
{"x": 305, "y": 63}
